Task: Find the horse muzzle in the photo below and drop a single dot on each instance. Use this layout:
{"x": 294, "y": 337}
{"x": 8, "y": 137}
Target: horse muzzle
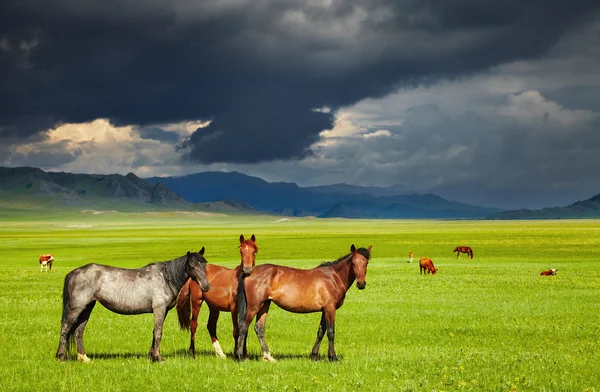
{"x": 204, "y": 287}
{"x": 360, "y": 285}
{"x": 247, "y": 270}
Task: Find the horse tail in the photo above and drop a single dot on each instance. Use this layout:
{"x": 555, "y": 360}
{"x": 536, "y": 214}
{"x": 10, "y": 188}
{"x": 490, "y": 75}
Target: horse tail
{"x": 66, "y": 311}
{"x": 184, "y": 305}
{"x": 241, "y": 300}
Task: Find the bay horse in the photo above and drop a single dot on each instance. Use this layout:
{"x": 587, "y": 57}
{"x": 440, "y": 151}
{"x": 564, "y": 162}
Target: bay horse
{"x": 221, "y": 297}
{"x": 321, "y": 289}
{"x": 425, "y": 264}
{"x": 150, "y": 289}
{"x": 463, "y": 249}
{"x": 46, "y": 262}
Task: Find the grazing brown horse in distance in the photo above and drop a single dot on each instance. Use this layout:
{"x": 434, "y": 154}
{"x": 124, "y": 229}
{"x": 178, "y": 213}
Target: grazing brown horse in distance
{"x": 321, "y": 289}
{"x": 221, "y": 298}
{"x": 549, "y": 272}
{"x": 46, "y": 262}
{"x": 463, "y": 249}
{"x": 425, "y": 264}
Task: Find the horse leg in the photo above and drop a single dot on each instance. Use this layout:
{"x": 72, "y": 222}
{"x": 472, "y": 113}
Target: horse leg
{"x": 314, "y": 355}
{"x": 194, "y": 326}
{"x": 242, "y": 333}
{"x": 330, "y": 324}
{"x": 159, "y": 319}
{"x": 79, "y": 327}
{"x": 212, "y": 330}
{"x": 259, "y": 328}
{"x": 66, "y": 333}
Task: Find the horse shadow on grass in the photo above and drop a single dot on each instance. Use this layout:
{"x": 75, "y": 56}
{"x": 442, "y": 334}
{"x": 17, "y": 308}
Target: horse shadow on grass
{"x": 286, "y": 356}
{"x": 183, "y": 353}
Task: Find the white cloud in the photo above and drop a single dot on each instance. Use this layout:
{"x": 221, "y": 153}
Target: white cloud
{"x": 101, "y": 147}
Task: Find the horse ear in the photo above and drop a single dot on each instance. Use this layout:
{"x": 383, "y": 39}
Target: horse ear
{"x": 253, "y": 238}
{"x": 201, "y": 251}
{"x": 241, "y": 238}
{"x": 369, "y": 248}
{"x": 188, "y": 253}
{"x": 353, "y": 248}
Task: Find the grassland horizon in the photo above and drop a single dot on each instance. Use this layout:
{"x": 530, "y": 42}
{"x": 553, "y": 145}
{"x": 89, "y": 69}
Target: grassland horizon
{"x": 490, "y": 323}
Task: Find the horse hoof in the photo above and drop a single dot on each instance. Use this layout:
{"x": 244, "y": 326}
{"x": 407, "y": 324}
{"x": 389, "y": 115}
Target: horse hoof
{"x": 61, "y": 357}
{"x": 268, "y": 358}
{"x": 314, "y": 357}
{"x": 333, "y": 358}
{"x": 221, "y": 355}
{"x": 83, "y": 358}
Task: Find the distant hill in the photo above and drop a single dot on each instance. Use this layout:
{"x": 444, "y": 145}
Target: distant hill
{"x": 30, "y": 186}
{"x": 393, "y": 190}
{"x": 340, "y": 200}
{"x": 589, "y": 208}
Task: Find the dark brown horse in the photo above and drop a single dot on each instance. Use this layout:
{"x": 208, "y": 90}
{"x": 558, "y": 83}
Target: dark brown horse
{"x": 463, "y": 249}
{"x": 221, "y": 298}
{"x": 321, "y": 289}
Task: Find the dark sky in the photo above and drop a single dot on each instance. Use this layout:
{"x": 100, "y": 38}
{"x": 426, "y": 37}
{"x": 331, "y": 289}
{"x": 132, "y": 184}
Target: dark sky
{"x": 495, "y": 103}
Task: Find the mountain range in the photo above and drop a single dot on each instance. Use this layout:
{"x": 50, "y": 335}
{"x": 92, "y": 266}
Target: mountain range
{"x": 30, "y": 187}
{"x": 333, "y": 201}
{"x": 237, "y": 193}
{"x": 589, "y": 208}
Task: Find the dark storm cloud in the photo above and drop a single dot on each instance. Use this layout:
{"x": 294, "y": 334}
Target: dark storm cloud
{"x": 255, "y": 68}
{"x": 155, "y": 133}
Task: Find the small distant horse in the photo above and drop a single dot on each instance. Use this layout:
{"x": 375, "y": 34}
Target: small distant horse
{"x": 425, "y": 264}
{"x": 221, "y": 298}
{"x": 410, "y": 257}
{"x": 321, "y": 289}
{"x": 463, "y": 249}
{"x": 150, "y": 289}
{"x": 46, "y": 262}
{"x": 549, "y": 272}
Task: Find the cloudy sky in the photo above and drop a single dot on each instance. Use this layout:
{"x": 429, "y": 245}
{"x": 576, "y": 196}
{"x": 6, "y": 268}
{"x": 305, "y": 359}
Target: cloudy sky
{"x": 486, "y": 102}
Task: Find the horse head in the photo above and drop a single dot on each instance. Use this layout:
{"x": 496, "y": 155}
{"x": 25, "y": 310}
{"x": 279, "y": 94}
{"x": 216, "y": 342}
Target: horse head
{"x": 196, "y": 264}
{"x": 248, "y": 250}
{"x": 360, "y": 260}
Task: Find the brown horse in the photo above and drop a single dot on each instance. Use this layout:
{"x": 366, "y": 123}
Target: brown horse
{"x": 549, "y": 272}
{"x": 46, "y": 262}
{"x": 425, "y": 264}
{"x": 222, "y": 296}
{"x": 321, "y": 289}
{"x": 463, "y": 249}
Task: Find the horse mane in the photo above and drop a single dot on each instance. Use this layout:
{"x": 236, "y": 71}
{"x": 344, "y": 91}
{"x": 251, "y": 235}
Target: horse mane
{"x": 362, "y": 251}
{"x": 249, "y": 242}
{"x": 174, "y": 269}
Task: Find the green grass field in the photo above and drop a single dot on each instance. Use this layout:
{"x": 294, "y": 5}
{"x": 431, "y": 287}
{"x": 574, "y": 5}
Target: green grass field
{"x": 487, "y": 324}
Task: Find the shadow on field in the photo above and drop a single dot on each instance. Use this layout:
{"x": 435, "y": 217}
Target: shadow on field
{"x": 120, "y": 355}
{"x": 283, "y": 356}
{"x": 251, "y": 356}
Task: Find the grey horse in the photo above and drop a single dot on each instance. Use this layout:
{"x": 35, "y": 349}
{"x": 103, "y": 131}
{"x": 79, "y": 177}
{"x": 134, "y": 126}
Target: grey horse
{"x": 150, "y": 289}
